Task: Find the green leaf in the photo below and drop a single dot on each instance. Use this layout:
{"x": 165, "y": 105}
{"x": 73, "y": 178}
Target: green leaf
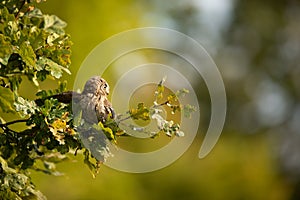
{"x": 6, "y": 99}
{"x": 160, "y": 90}
{"x": 106, "y": 130}
{"x": 55, "y": 69}
{"x": 142, "y": 112}
{"x": 15, "y": 82}
{"x": 51, "y": 38}
{"x": 53, "y": 24}
{"x": 37, "y": 38}
{"x": 27, "y": 54}
{"x": 6, "y": 49}
{"x": 93, "y": 167}
{"x": 24, "y": 107}
{"x": 5, "y": 15}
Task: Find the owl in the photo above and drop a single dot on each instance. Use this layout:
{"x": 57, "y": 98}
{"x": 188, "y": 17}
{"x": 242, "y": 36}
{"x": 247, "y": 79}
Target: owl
{"x": 93, "y": 101}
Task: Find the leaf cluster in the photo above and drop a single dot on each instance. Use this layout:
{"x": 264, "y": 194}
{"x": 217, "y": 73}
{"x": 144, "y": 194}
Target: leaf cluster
{"x": 35, "y": 46}
{"x": 155, "y": 112}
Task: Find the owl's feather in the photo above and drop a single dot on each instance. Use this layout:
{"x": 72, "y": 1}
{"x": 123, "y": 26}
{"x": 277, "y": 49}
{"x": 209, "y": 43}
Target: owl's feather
{"x": 94, "y": 102}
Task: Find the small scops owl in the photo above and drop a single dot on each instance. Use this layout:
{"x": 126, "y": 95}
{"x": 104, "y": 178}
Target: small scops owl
{"x": 94, "y": 103}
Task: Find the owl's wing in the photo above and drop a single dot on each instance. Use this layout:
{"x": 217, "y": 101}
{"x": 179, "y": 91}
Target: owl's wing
{"x": 88, "y": 105}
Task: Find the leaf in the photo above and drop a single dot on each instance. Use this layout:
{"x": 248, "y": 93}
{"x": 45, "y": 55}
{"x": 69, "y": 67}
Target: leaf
{"x": 58, "y": 127}
{"x": 159, "y": 90}
{"x": 107, "y": 131}
{"x": 142, "y": 112}
{"x": 27, "y": 54}
{"x": 179, "y": 133}
{"x": 171, "y": 97}
{"x": 51, "y": 38}
{"x": 54, "y": 24}
{"x": 94, "y": 168}
{"x": 37, "y": 13}
{"x": 6, "y": 99}
{"x": 160, "y": 121}
{"x": 113, "y": 125}
{"x": 6, "y": 49}
{"x": 55, "y": 69}
{"x": 37, "y": 38}
{"x": 25, "y": 107}
{"x": 187, "y": 110}
{"x": 15, "y": 82}
{"x": 5, "y": 15}
{"x": 62, "y": 55}
{"x": 182, "y": 92}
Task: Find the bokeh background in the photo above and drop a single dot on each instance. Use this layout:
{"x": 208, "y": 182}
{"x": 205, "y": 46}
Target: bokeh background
{"x": 256, "y": 46}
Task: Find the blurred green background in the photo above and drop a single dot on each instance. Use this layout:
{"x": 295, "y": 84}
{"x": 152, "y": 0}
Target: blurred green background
{"x": 255, "y": 45}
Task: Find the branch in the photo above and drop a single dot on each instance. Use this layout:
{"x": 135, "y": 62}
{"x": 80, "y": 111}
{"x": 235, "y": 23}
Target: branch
{"x": 65, "y": 97}
{"x": 128, "y": 117}
{"x": 22, "y": 3}
{"x": 13, "y": 122}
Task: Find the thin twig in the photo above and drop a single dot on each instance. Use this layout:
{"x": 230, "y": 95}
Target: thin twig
{"x": 161, "y": 104}
{"x": 141, "y": 130}
{"x": 154, "y": 106}
{"x": 124, "y": 119}
{"x": 20, "y": 8}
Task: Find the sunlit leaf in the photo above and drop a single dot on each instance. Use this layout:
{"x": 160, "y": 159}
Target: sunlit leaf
{"x": 55, "y": 69}
{"x": 160, "y": 90}
{"x": 37, "y": 38}
{"x": 141, "y": 112}
{"x": 27, "y": 54}
{"x": 6, "y": 49}
{"x": 6, "y": 99}
{"x": 24, "y": 107}
{"x": 107, "y": 131}
{"x": 54, "y": 24}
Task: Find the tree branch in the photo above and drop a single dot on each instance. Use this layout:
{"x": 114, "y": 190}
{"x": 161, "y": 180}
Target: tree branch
{"x": 64, "y": 97}
{"x": 22, "y": 3}
{"x": 13, "y": 122}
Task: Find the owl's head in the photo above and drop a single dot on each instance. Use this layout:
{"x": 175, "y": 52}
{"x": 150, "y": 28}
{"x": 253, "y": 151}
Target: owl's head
{"x": 97, "y": 86}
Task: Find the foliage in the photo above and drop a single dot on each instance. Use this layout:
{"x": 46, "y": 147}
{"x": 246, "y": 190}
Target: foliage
{"x": 154, "y": 112}
{"x": 35, "y": 46}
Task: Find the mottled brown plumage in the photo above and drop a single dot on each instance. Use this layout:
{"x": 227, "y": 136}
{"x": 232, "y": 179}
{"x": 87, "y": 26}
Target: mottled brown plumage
{"x": 93, "y": 101}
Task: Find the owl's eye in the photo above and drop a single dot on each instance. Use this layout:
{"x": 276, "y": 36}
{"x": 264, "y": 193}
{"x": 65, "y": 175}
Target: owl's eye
{"x": 105, "y": 86}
